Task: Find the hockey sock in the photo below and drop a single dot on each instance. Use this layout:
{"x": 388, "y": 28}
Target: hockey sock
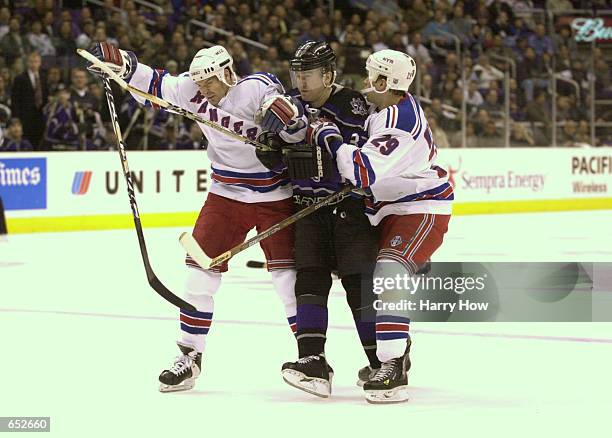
{"x": 391, "y": 336}
{"x": 360, "y": 297}
{"x": 312, "y": 289}
{"x": 200, "y": 288}
{"x": 284, "y": 283}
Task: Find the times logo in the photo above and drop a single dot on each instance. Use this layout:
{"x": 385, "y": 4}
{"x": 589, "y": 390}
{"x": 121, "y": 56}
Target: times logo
{"x": 23, "y": 183}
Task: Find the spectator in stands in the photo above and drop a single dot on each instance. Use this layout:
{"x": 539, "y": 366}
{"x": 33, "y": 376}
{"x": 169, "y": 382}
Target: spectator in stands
{"x": 483, "y": 73}
{"x": 5, "y": 73}
{"x": 564, "y": 37}
{"x": 519, "y": 136}
{"x": 49, "y": 24}
{"x": 85, "y": 39}
{"x": 541, "y": 42}
{"x": 13, "y": 138}
{"x": 66, "y": 16}
{"x": 40, "y": 41}
{"x": 65, "y": 43}
{"x": 503, "y": 26}
{"x": 418, "y": 15}
{"x": 538, "y": 111}
{"x": 490, "y": 136}
{"x": 475, "y": 41}
{"x": 482, "y": 118}
{"x": 459, "y": 25}
{"x": 419, "y": 52}
{"x": 61, "y": 122}
{"x": 29, "y": 96}
{"x": 375, "y": 41}
{"x": 583, "y": 134}
{"x": 473, "y": 98}
{"x": 569, "y": 134}
{"x": 436, "y": 29}
{"x": 287, "y": 48}
{"x": 54, "y": 80}
{"x": 13, "y": 45}
{"x": 387, "y": 8}
{"x": 5, "y": 96}
{"x": 439, "y": 136}
{"x": 5, "y": 18}
{"x": 79, "y": 90}
{"x": 427, "y": 89}
{"x": 492, "y": 105}
{"x": 531, "y": 73}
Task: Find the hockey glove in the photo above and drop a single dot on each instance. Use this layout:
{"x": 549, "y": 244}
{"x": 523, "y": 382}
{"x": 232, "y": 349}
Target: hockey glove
{"x": 273, "y": 159}
{"x": 306, "y": 161}
{"x": 325, "y": 135}
{"x": 281, "y": 112}
{"x": 120, "y": 61}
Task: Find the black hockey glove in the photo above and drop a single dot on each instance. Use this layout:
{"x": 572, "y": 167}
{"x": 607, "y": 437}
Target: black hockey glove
{"x": 309, "y": 161}
{"x": 273, "y": 159}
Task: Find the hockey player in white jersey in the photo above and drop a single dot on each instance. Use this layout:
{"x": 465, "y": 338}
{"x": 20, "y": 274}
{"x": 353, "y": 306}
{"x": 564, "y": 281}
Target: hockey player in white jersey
{"x": 244, "y": 193}
{"x": 410, "y": 199}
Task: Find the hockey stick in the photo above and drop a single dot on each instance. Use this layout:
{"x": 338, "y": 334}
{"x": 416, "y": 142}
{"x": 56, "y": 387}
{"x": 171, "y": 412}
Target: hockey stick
{"x": 167, "y": 105}
{"x": 195, "y": 251}
{"x": 151, "y": 277}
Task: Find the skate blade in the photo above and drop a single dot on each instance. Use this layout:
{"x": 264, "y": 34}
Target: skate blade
{"x": 319, "y": 387}
{"x": 185, "y": 386}
{"x": 395, "y": 395}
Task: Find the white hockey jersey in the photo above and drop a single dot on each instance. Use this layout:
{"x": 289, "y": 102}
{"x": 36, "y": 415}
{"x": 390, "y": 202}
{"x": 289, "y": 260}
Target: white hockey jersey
{"x": 397, "y": 164}
{"x": 236, "y": 172}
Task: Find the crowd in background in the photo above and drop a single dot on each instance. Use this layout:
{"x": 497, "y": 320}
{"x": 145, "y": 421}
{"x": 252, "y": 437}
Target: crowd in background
{"x": 48, "y": 101}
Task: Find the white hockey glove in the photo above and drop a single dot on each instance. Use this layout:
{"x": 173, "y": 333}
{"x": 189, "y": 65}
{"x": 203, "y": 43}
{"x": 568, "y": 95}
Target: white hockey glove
{"x": 120, "y": 61}
{"x": 326, "y": 135}
{"x": 281, "y": 112}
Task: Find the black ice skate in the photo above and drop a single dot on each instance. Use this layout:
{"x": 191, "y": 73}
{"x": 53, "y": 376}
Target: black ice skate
{"x": 311, "y": 374}
{"x": 365, "y": 374}
{"x": 183, "y": 373}
{"x": 390, "y": 383}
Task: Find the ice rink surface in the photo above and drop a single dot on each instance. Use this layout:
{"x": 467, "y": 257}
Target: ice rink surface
{"x": 84, "y": 338}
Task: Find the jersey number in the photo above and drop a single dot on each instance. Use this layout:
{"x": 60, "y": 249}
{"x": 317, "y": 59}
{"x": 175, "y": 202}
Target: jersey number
{"x": 386, "y": 144}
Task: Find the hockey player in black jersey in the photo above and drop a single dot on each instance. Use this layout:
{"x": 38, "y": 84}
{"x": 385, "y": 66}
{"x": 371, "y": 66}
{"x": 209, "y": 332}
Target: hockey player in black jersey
{"x": 337, "y": 237}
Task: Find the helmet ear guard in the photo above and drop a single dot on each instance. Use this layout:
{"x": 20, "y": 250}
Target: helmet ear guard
{"x": 397, "y": 67}
{"x": 212, "y": 61}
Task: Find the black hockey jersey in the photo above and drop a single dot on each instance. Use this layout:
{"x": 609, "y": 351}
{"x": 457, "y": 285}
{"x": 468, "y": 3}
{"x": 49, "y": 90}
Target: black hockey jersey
{"x": 348, "y": 109}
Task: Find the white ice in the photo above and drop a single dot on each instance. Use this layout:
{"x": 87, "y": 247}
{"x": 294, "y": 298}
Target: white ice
{"x": 83, "y": 339}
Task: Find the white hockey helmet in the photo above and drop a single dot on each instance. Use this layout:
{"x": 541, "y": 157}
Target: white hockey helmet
{"x": 397, "y": 67}
{"x": 212, "y": 61}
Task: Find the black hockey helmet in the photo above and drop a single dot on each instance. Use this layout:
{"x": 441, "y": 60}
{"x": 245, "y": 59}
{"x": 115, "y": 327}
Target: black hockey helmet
{"x": 313, "y": 54}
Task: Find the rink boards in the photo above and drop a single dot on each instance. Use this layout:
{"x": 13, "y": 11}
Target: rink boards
{"x": 86, "y": 190}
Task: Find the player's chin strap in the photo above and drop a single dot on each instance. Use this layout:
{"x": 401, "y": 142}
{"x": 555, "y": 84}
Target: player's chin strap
{"x": 167, "y": 105}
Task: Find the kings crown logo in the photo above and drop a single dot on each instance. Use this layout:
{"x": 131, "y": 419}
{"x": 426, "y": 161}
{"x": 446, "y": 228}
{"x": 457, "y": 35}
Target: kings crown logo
{"x": 358, "y": 107}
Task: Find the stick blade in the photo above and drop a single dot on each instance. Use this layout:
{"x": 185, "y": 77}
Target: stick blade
{"x": 194, "y": 250}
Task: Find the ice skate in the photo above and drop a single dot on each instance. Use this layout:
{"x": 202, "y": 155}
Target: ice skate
{"x": 311, "y": 374}
{"x": 365, "y": 374}
{"x": 390, "y": 382}
{"x": 183, "y": 373}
